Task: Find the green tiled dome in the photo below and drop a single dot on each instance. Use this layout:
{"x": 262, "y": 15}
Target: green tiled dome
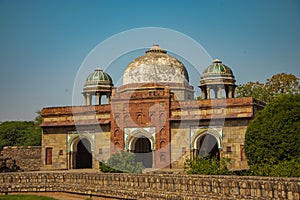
{"x": 217, "y": 74}
{"x": 217, "y": 67}
{"x": 98, "y": 77}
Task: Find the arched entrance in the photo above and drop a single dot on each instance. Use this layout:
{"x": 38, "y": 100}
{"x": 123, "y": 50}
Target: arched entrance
{"x": 83, "y": 154}
{"x": 207, "y": 145}
{"x": 143, "y": 152}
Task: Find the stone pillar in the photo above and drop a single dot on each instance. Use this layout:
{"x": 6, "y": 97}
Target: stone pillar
{"x": 203, "y": 93}
{"x": 208, "y": 92}
{"x": 216, "y": 92}
{"x": 226, "y": 88}
{"x": 233, "y": 90}
{"x": 98, "y": 99}
{"x": 108, "y": 98}
{"x": 89, "y": 99}
{"x": 230, "y": 92}
{"x": 85, "y": 100}
{"x": 219, "y": 94}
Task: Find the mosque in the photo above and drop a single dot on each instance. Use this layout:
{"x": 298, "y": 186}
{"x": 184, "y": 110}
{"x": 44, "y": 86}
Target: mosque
{"x": 153, "y": 114}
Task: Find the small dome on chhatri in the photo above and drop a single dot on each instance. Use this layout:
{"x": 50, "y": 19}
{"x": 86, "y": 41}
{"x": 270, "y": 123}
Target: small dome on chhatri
{"x": 97, "y": 84}
{"x": 217, "y": 67}
{"x": 98, "y": 77}
{"x": 156, "y": 66}
{"x": 217, "y": 73}
{"x": 217, "y": 77}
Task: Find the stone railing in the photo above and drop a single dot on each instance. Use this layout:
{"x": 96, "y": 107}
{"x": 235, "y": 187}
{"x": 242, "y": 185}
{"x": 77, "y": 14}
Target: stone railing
{"x": 152, "y": 186}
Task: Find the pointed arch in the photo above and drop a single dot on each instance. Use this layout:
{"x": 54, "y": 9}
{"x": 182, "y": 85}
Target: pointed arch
{"x": 75, "y": 141}
{"x": 135, "y": 135}
{"x": 75, "y": 138}
{"x": 202, "y": 132}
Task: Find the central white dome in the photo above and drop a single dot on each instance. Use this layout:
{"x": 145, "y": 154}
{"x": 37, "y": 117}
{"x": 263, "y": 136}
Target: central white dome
{"x": 156, "y": 66}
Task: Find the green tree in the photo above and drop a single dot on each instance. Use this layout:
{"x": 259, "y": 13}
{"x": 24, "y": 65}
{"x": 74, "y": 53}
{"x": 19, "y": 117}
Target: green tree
{"x": 273, "y": 136}
{"x": 122, "y": 162}
{"x": 253, "y": 89}
{"x": 208, "y": 165}
{"x": 19, "y": 133}
{"x": 278, "y": 84}
{"x": 283, "y": 84}
{"x": 38, "y": 118}
{"x": 285, "y": 168}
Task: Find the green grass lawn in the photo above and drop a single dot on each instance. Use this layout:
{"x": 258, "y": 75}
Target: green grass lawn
{"x": 24, "y": 197}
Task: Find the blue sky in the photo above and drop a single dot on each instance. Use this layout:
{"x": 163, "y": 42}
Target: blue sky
{"x": 43, "y": 43}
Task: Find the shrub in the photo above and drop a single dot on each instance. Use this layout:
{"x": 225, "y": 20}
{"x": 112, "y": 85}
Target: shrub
{"x": 285, "y": 168}
{"x": 122, "y": 162}
{"x": 207, "y": 165}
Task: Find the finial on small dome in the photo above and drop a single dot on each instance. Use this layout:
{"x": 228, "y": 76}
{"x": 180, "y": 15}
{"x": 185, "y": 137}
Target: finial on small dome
{"x": 98, "y": 69}
{"x": 217, "y": 61}
{"x": 156, "y": 48}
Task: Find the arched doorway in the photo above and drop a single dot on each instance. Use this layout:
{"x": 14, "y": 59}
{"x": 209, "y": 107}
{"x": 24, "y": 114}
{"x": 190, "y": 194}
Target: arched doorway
{"x": 208, "y": 145}
{"x": 83, "y": 154}
{"x": 143, "y": 152}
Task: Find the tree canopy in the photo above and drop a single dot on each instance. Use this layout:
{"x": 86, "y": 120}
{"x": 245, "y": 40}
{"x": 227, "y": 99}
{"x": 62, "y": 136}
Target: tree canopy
{"x": 278, "y": 84}
{"x": 274, "y": 134}
{"x": 19, "y": 133}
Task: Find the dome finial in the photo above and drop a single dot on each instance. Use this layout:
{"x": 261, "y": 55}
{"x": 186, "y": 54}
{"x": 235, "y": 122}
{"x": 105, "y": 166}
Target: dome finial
{"x": 217, "y": 61}
{"x": 156, "y": 49}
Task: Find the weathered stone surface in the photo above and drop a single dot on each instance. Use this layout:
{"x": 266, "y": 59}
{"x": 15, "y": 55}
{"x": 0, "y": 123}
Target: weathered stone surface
{"x": 152, "y": 186}
{"x": 154, "y": 67}
{"x": 21, "y": 158}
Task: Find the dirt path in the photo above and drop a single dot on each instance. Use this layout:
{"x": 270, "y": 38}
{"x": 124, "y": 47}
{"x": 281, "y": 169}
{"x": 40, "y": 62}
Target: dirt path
{"x": 65, "y": 196}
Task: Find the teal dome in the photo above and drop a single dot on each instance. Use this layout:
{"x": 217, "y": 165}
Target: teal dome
{"x": 98, "y": 77}
{"x": 217, "y": 81}
{"x": 217, "y": 67}
{"x": 217, "y": 74}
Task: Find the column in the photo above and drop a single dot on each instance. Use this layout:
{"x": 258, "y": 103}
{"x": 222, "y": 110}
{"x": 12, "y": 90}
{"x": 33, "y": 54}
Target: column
{"x": 98, "y": 99}
{"x": 233, "y": 90}
{"x": 216, "y": 92}
{"x": 85, "y": 100}
{"x": 203, "y": 93}
{"x": 89, "y": 99}
{"x": 108, "y": 98}
{"x": 226, "y": 91}
{"x": 208, "y": 92}
{"x": 230, "y": 92}
{"x": 219, "y": 94}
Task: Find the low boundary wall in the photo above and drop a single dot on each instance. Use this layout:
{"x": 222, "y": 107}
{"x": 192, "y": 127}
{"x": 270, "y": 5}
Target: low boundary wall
{"x": 25, "y": 158}
{"x": 152, "y": 186}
